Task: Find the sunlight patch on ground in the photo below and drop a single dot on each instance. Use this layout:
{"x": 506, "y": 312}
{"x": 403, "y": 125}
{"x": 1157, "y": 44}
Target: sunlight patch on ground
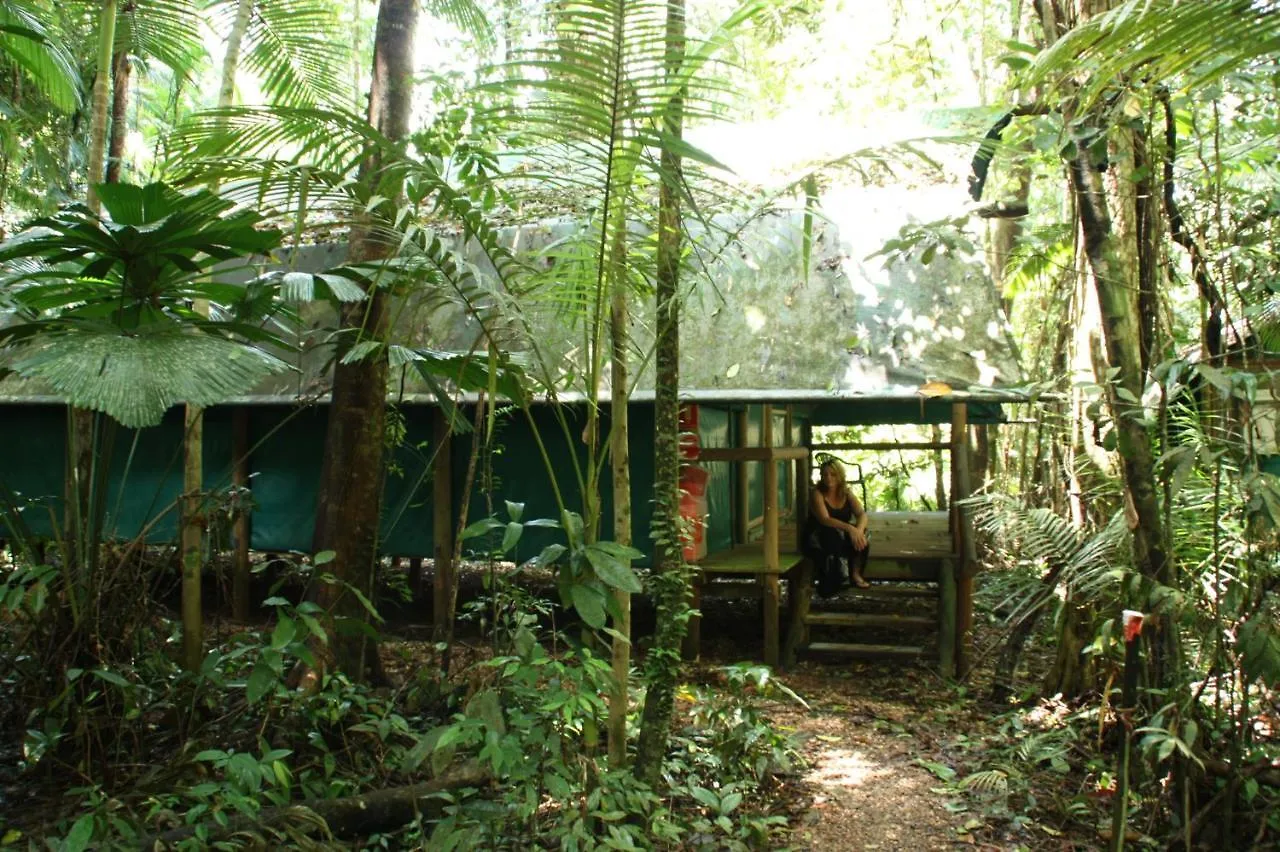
{"x": 845, "y": 768}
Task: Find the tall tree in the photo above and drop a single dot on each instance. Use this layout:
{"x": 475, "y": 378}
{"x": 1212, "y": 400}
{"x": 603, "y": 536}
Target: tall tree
{"x": 351, "y": 488}
{"x": 671, "y": 581}
{"x": 1111, "y": 240}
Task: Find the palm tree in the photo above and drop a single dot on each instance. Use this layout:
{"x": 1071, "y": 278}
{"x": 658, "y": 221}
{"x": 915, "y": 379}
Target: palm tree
{"x": 105, "y": 322}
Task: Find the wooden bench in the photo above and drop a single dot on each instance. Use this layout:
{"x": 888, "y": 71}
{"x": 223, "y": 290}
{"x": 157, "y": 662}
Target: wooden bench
{"x": 905, "y": 546}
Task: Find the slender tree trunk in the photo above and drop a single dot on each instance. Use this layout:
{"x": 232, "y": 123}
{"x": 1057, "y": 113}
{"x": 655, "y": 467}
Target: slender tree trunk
{"x": 620, "y": 458}
{"x": 194, "y": 521}
{"x": 119, "y": 115}
{"x": 101, "y": 101}
{"x": 231, "y": 60}
{"x": 79, "y": 526}
{"x": 350, "y": 501}
{"x": 671, "y": 581}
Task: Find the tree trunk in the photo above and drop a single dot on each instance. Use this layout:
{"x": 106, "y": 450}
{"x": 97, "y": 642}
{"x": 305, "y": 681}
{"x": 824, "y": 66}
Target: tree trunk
{"x": 79, "y": 525}
{"x": 119, "y": 115}
{"x": 1116, "y": 285}
{"x": 350, "y": 501}
{"x": 1115, "y": 269}
{"x": 620, "y": 459}
{"x": 231, "y": 60}
{"x": 193, "y": 504}
{"x": 671, "y": 580}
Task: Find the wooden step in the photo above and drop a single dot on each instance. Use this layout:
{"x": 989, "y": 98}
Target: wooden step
{"x": 891, "y": 590}
{"x": 854, "y": 649}
{"x": 866, "y": 619}
{"x": 920, "y": 570}
{"x": 730, "y": 589}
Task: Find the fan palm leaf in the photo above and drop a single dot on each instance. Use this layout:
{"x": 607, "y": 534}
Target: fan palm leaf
{"x": 136, "y": 378}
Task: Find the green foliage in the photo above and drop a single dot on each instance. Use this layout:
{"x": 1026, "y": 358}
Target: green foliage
{"x": 105, "y": 303}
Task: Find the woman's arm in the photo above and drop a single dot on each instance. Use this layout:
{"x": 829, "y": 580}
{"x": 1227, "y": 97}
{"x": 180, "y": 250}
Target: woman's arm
{"x": 859, "y": 531}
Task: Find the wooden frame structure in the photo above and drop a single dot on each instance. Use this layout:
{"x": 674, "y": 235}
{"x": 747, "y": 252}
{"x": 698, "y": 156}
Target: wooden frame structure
{"x": 928, "y": 547}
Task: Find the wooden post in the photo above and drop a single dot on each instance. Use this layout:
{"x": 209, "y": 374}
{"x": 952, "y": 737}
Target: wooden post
{"x": 770, "y": 578}
{"x": 415, "y": 578}
{"x": 800, "y": 475}
{"x": 742, "y": 492}
{"x": 788, "y": 471}
{"x": 940, "y": 488}
{"x": 798, "y": 609}
{"x": 962, "y": 536}
{"x": 240, "y": 529}
{"x": 947, "y": 618}
{"x": 442, "y": 521}
{"x": 693, "y": 628}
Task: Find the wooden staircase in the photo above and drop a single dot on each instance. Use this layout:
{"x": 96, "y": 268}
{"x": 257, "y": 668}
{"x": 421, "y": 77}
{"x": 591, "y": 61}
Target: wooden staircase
{"x": 913, "y": 562}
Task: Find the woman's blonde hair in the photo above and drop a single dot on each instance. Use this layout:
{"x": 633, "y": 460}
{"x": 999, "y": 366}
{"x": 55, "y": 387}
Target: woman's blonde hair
{"x": 834, "y": 465}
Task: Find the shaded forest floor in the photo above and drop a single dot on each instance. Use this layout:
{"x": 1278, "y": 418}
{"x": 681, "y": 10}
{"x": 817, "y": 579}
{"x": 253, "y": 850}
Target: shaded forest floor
{"x": 886, "y": 746}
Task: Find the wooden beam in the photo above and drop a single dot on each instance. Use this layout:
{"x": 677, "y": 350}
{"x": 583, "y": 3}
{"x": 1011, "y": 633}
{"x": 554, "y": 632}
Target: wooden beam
{"x": 752, "y": 454}
{"x": 770, "y": 592}
{"x": 882, "y": 446}
{"x": 742, "y": 481}
{"x": 799, "y": 597}
{"x": 241, "y": 529}
{"x": 961, "y": 532}
{"x": 442, "y": 519}
{"x": 947, "y": 619}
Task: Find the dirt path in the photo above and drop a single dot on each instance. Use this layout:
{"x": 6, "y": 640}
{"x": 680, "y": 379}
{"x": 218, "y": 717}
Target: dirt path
{"x": 867, "y": 726}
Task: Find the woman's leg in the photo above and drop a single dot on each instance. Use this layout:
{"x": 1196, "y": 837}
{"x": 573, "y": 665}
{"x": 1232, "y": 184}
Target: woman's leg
{"x": 858, "y": 564}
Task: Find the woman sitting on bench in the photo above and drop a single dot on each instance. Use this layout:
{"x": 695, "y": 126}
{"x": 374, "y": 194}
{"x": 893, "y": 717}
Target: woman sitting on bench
{"x": 837, "y": 533}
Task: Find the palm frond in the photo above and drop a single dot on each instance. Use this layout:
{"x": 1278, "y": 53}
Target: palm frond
{"x": 300, "y": 53}
{"x": 136, "y": 378}
{"x": 27, "y": 43}
{"x": 467, "y": 16}
{"x": 1200, "y": 40}
{"x": 168, "y": 31}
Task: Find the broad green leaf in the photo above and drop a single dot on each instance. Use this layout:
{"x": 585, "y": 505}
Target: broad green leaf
{"x": 1259, "y": 646}
{"x": 481, "y": 527}
{"x": 589, "y": 603}
{"x": 511, "y": 536}
{"x": 284, "y": 632}
{"x": 110, "y": 677}
{"x": 261, "y": 681}
{"x": 486, "y": 706}
{"x": 612, "y": 570}
{"x": 81, "y": 834}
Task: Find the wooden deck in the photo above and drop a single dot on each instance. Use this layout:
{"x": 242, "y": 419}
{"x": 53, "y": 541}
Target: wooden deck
{"x": 907, "y": 546}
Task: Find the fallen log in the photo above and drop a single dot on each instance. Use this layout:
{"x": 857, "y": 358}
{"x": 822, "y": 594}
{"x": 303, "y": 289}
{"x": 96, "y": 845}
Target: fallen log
{"x": 352, "y": 816}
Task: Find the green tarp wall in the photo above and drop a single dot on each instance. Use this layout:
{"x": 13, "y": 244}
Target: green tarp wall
{"x": 287, "y": 448}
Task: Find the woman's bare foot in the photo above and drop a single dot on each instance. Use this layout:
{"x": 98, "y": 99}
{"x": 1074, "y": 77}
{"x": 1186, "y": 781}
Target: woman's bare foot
{"x": 861, "y": 582}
